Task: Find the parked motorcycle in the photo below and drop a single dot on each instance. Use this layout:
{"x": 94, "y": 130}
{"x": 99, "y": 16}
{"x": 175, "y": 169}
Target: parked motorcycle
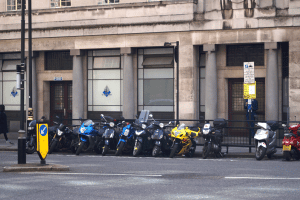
{"x": 143, "y": 141}
{"x": 31, "y": 141}
{"x": 110, "y": 135}
{"x": 183, "y": 139}
{"x": 61, "y": 139}
{"x": 89, "y": 137}
{"x": 161, "y": 139}
{"x": 213, "y": 137}
{"x": 265, "y": 139}
{"x": 126, "y": 139}
{"x": 291, "y": 142}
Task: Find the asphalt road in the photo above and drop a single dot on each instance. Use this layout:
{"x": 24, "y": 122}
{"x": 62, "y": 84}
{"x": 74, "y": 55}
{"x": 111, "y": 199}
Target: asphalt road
{"x": 97, "y": 177}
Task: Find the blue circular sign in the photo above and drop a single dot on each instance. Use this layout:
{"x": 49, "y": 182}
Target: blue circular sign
{"x": 43, "y": 130}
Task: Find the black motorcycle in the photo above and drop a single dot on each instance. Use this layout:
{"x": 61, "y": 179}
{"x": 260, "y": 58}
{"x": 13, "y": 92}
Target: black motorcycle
{"x": 61, "y": 139}
{"x": 31, "y": 141}
{"x": 143, "y": 142}
{"x": 213, "y": 137}
{"x": 111, "y": 133}
{"x": 160, "y": 137}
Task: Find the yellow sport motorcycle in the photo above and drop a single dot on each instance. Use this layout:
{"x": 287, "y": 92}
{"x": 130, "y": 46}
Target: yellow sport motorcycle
{"x": 183, "y": 140}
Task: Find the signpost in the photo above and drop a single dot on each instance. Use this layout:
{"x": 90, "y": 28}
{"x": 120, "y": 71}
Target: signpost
{"x": 42, "y": 141}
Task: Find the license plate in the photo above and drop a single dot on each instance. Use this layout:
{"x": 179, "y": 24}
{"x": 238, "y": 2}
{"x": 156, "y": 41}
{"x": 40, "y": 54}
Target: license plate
{"x": 286, "y": 148}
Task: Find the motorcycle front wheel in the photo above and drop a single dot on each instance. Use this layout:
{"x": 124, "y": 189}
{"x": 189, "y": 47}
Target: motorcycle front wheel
{"x": 137, "y": 149}
{"x": 80, "y": 147}
{"x": 120, "y": 148}
{"x": 155, "y": 151}
{"x": 30, "y": 149}
{"x": 174, "y": 150}
{"x": 53, "y": 146}
{"x": 105, "y": 150}
{"x": 260, "y": 152}
{"x": 287, "y": 155}
{"x": 206, "y": 150}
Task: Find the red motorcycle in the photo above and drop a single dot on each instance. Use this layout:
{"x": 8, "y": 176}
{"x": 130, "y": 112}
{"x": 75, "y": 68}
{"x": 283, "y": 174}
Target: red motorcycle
{"x": 291, "y": 142}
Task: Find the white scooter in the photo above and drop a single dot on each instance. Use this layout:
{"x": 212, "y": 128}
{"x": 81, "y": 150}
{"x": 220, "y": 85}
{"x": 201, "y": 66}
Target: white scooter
{"x": 265, "y": 139}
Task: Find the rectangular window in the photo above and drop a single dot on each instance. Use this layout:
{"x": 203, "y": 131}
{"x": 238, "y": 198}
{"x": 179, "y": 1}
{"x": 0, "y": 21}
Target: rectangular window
{"x": 236, "y": 55}
{"x": 156, "y": 81}
{"x": 103, "y": 2}
{"x": 58, "y": 60}
{"x": 13, "y": 5}
{"x": 106, "y": 62}
{"x": 60, "y": 3}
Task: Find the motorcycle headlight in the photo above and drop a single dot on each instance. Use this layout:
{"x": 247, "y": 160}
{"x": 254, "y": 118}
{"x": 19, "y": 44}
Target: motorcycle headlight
{"x": 138, "y": 132}
{"x": 205, "y": 132}
{"x": 111, "y": 124}
{"x": 82, "y": 130}
{"x": 144, "y": 126}
{"x": 126, "y": 132}
{"x": 59, "y": 132}
{"x": 30, "y": 128}
{"x": 161, "y": 125}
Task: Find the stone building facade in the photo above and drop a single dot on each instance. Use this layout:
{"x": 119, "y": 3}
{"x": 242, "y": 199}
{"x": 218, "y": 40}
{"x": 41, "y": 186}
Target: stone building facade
{"x": 94, "y": 56}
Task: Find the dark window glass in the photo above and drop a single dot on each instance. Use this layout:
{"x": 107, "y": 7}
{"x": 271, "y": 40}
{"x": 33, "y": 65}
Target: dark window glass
{"x": 236, "y": 55}
{"x": 58, "y": 60}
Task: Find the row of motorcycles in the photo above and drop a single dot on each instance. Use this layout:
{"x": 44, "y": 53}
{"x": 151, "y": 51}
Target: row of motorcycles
{"x": 145, "y": 136}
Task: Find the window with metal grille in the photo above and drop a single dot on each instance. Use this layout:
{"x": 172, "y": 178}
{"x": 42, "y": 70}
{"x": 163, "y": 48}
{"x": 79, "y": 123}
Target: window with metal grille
{"x": 236, "y": 55}
{"x": 60, "y": 3}
{"x": 14, "y": 5}
{"x": 101, "y": 2}
{"x": 58, "y": 60}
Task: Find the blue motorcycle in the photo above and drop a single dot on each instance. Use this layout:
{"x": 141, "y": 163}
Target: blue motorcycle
{"x": 89, "y": 137}
{"x": 126, "y": 141}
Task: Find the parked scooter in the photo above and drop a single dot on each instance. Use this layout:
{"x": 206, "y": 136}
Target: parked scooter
{"x": 213, "y": 137}
{"x": 89, "y": 137}
{"x": 265, "y": 139}
{"x": 183, "y": 139}
{"x": 110, "y": 135}
{"x": 126, "y": 139}
{"x": 291, "y": 142}
{"x": 161, "y": 139}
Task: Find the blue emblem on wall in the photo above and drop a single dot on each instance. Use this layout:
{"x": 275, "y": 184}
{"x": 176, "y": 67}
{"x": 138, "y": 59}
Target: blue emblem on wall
{"x": 14, "y": 92}
{"x": 106, "y": 91}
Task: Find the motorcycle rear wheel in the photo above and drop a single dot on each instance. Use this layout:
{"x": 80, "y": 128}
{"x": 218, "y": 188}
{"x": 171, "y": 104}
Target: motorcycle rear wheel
{"x": 137, "y": 149}
{"x": 80, "y": 147}
{"x": 205, "y": 151}
{"x": 260, "y": 152}
{"x": 30, "y": 149}
{"x": 174, "y": 150}
{"x": 105, "y": 150}
{"x": 120, "y": 148}
{"x": 155, "y": 151}
{"x": 287, "y": 155}
{"x": 53, "y": 146}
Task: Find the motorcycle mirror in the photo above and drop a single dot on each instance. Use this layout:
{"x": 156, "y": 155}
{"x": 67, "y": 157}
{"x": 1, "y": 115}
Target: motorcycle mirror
{"x": 57, "y": 117}
{"x": 136, "y": 116}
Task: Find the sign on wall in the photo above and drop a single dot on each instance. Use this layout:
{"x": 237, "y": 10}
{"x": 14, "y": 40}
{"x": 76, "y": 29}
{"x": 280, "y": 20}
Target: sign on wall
{"x": 249, "y": 72}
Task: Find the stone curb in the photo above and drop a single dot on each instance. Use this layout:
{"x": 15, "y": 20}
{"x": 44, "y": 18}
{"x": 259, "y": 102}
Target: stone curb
{"x": 35, "y": 168}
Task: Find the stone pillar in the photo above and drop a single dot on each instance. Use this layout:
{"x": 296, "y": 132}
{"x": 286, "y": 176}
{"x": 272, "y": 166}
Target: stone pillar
{"x": 211, "y": 82}
{"x": 77, "y": 84}
{"x": 128, "y": 83}
{"x": 272, "y": 98}
{"x": 34, "y": 84}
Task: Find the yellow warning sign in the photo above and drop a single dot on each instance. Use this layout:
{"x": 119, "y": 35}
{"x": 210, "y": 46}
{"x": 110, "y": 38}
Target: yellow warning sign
{"x": 42, "y": 140}
{"x": 250, "y": 90}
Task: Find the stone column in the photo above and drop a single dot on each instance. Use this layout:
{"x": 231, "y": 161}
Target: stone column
{"x": 34, "y": 84}
{"x": 272, "y": 101}
{"x": 211, "y": 82}
{"x": 77, "y": 84}
{"x": 128, "y": 83}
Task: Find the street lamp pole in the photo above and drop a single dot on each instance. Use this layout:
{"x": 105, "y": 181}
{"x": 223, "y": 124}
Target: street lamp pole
{"x": 176, "y": 54}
